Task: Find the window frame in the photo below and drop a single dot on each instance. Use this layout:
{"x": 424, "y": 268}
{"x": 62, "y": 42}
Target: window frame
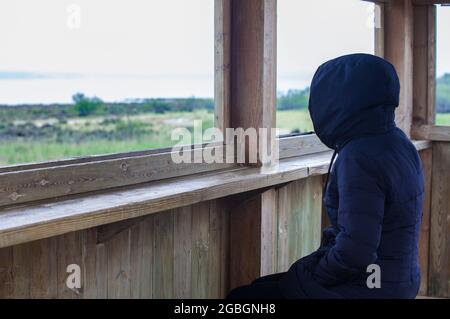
{"x": 25, "y": 183}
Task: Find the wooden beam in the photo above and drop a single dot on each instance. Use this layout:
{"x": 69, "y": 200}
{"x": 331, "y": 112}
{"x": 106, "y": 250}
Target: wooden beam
{"x": 19, "y": 187}
{"x": 222, "y": 23}
{"x": 64, "y": 178}
{"x": 398, "y": 21}
{"x": 431, "y": 133}
{"x": 253, "y": 106}
{"x": 424, "y": 65}
{"x": 253, "y": 68}
{"x": 41, "y": 220}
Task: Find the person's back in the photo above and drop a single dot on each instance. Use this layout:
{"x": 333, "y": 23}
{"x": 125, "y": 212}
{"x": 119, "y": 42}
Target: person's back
{"x": 374, "y": 192}
{"x": 396, "y": 171}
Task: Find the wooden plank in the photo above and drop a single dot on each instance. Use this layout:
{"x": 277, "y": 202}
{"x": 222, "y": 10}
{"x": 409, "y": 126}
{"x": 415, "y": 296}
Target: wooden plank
{"x": 268, "y": 232}
{"x": 118, "y": 251}
{"x": 141, "y": 258}
{"x": 41, "y": 183}
{"x": 200, "y": 250}
{"x": 163, "y": 255}
{"x": 224, "y": 248}
{"x": 182, "y": 252}
{"x": 24, "y": 224}
{"x": 63, "y": 179}
{"x": 439, "y": 271}
{"x": 300, "y": 220}
{"x": 68, "y": 252}
{"x": 94, "y": 266}
{"x": 245, "y": 242}
{"x": 431, "y": 132}
{"x": 218, "y": 251}
{"x": 6, "y": 273}
{"x": 424, "y": 65}
{"x": 283, "y": 208}
{"x": 44, "y": 220}
{"x": 398, "y": 22}
{"x": 300, "y": 145}
{"x": 22, "y": 270}
{"x": 101, "y": 271}
{"x": 424, "y": 243}
{"x": 222, "y": 24}
{"x": 44, "y": 269}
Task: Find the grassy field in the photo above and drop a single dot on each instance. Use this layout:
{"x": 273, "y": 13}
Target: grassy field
{"x": 443, "y": 119}
{"x": 93, "y": 135}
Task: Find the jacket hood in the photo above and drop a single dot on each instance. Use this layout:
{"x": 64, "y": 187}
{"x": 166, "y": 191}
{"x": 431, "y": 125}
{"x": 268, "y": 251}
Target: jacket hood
{"x": 351, "y": 96}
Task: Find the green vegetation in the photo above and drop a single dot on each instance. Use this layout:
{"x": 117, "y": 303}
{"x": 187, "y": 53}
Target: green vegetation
{"x": 85, "y": 106}
{"x": 89, "y": 126}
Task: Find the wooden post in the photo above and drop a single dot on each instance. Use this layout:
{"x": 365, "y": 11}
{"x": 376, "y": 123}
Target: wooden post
{"x": 253, "y": 98}
{"x": 424, "y": 65}
{"x": 424, "y": 78}
{"x": 398, "y": 49}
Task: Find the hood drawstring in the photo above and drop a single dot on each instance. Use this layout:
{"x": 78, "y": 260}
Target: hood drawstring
{"x": 336, "y": 151}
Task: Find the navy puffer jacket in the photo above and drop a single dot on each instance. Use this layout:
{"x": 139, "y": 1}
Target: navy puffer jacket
{"x": 375, "y": 191}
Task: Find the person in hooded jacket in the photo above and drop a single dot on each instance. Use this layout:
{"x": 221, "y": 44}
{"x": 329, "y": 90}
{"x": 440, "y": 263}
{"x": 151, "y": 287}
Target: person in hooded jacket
{"x": 373, "y": 197}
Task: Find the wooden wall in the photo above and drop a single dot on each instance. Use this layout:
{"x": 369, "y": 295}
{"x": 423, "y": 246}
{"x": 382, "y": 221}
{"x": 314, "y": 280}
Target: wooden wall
{"x": 181, "y": 253}
{"x": 439, "y": 257}
{"x": 185, "y": 252}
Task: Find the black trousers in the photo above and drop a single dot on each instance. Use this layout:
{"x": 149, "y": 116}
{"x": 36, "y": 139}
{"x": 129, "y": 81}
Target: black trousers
{"x": 266, "y": 287}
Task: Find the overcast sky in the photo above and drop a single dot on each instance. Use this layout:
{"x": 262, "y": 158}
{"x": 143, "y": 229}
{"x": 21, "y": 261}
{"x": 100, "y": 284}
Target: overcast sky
{"x": 172, "y": 40}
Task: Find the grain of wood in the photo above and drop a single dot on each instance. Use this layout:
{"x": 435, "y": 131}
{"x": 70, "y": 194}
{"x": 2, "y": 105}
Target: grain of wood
{"x": 439, "y": 268}
{"x": 268, "y": 232}
{"x": 68, "y": 252}
{"x": 398, "y": 49}
{"x": 93, "y": 266}
{"x": 119, "y": 267}
{"x": 45, "y": 220}
{"x": 200, "y": 250}
{"x": 424, "y": 65}
{"x": 245, "y": 242}
{"x": 44, "y": 269}
{"x": 141, "y": 259}
{"x": 183, "y": 252}
{"x": 163, "y": 255}
{"x": 424, "y": 243}
{"x": 222, "y": 13}
{"x": 6, "y": 263}
{"x": 431, "y": 132}
{"x": 22, "y": 269}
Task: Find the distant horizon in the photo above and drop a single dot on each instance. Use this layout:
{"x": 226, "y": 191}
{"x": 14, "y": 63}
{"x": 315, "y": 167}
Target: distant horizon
{"x": 107, "y": 87}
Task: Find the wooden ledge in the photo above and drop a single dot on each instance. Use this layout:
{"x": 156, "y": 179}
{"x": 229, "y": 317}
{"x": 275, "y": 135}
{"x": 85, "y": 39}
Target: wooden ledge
{"x": 30, "y": 222}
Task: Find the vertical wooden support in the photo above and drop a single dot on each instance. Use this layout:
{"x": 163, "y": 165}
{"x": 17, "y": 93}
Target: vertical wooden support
{"x": 424, "y": 57}
{"x": 424, "y": 243}
{"x": 253, "y": 65}
{"x": 253, "y": 99}
{"x": 379, "y": 29}
{"x": 439, "y": 272}
{"x": 398, "y": 49}
{"x": 222, "y": 20}
{"x": 424, "y": 65}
